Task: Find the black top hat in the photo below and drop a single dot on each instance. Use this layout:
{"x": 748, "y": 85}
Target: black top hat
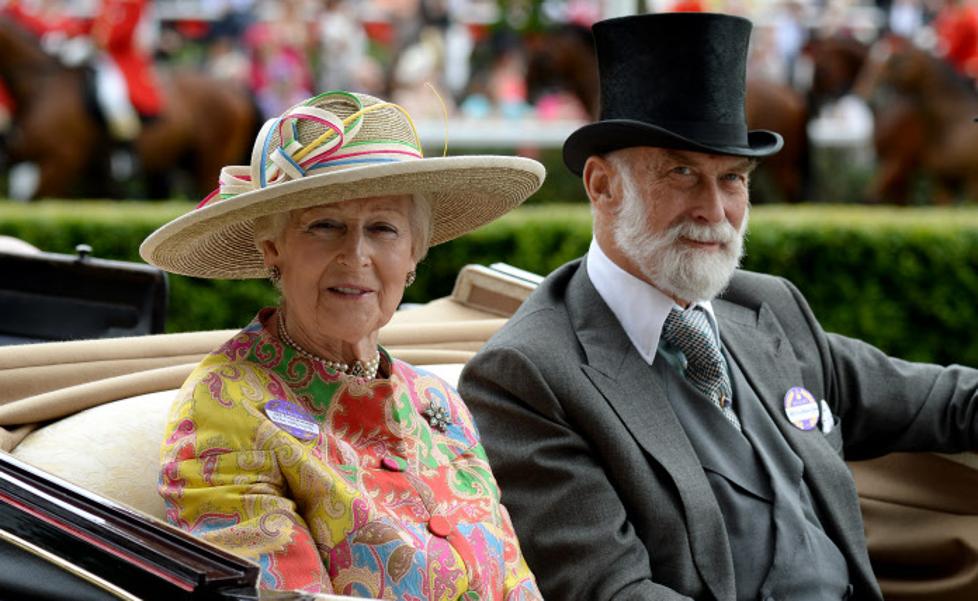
{"x": 674, "y": 80}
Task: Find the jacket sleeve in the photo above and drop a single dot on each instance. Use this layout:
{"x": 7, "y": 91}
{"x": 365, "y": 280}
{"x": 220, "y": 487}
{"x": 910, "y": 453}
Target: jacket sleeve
{"x": 886, "y": 404}
{"x": 221, "y": 479}
{"x": 572, "y": 526}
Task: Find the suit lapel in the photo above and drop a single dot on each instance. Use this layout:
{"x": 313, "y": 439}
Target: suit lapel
{"x": 757, "y": 342}
{"x": 636, "y": 395}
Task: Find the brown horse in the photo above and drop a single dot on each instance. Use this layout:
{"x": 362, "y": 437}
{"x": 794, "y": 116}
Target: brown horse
{"x": 924, "y": 111}
{"x": 778, "y": 107}
{"x": 842, "y": 66}
{"x": 837, "y": 61}
{"x": 564, "y": 59}
{"x": 205, "y": 124}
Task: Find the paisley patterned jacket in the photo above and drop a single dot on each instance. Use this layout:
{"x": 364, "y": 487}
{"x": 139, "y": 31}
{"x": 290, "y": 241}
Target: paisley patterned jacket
{"x": 337, "y": 484}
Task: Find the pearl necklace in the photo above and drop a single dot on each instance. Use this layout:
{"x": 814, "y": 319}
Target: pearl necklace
{"x": 366, "y": 370}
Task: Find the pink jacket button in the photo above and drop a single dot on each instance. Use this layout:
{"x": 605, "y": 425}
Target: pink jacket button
{"x": 389, "y": 463}
{"x": 439, "y": 526}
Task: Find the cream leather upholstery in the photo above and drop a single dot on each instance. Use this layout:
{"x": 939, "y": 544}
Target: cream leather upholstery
{"x": 114, "y": 449}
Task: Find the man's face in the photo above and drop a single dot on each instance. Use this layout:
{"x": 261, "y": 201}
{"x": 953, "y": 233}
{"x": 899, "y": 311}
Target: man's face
{"x": 680, "y": 218}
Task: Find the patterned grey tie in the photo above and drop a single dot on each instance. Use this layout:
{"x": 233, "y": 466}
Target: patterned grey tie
{"x": 690, "y": 332}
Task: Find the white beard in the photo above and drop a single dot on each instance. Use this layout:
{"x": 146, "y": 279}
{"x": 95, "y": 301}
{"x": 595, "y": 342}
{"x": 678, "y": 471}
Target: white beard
{"x": 681, "y": 271}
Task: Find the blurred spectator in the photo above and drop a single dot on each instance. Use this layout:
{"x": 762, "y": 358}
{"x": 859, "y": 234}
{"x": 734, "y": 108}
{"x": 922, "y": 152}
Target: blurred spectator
{"x": 457, "y": 50}
{"x": 583, "y": 12}
{"x": 507, "y": 82}
{"x": 956, "y": 26}
{"x": 765, "y": 60}
{"x": 232, "y": 18}
{"x": 280, "y": 73}
{"x": 418, "y": 73}
{"x": 499, "y": 83}
{"x": 370, "y": 77}
{"x": 560, "y": 105}
{"x": 226, "y": 61}
{"x": 687, "y": 6}
{"x": 126, "y": 83}
{"x": 43, "y": 17}
{"x": 405, "y": 23}
{"x": 342, "y": 46}
{"x": 790, "y": 34}
{"x": 906, "y": 18}
{"x": 835, "y": 18}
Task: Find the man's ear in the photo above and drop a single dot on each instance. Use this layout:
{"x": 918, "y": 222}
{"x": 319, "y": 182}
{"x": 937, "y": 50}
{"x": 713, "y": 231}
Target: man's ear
{"x": 598, "y": 178}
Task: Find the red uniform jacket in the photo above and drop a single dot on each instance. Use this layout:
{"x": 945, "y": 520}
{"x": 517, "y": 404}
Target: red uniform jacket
{"x": 114, "y": 30}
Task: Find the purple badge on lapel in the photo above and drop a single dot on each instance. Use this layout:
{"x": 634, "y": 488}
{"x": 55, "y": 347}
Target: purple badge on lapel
{"x": 292, "y": 418}
{"x": 801, "y": 408}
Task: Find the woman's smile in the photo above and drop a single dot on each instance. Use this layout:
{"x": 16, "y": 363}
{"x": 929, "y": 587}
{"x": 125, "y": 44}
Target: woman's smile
{"x": 349, "y": 291}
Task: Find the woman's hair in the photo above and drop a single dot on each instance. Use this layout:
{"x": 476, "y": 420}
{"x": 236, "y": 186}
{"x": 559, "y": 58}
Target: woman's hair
{"x": 271, "y": 227}
{"x": 421, "y": 226}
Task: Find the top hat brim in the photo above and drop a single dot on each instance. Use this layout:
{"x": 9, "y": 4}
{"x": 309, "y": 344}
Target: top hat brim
{"x": 614, "y": 134}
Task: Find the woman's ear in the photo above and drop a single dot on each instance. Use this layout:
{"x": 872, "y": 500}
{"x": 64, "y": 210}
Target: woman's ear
{"x": 269, "y": 251}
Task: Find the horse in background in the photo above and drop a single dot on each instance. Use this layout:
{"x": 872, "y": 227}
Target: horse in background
{"x": 924, "y": 112}
{"x": 564, "y": 59}
{"x": 837, "y": 61}
{"x": 778, "y": 107}
{"x": 205, "y": 124}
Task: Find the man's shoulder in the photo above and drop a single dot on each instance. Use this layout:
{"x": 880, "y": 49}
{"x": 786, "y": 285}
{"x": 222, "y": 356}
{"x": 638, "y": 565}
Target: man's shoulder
{"x": 544, "y": 314}
{"x": 751, "y": 289}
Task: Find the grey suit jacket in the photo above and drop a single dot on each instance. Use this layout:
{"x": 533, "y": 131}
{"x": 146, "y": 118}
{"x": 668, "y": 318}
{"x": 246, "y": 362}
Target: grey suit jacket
{"x": 604, "y": 488}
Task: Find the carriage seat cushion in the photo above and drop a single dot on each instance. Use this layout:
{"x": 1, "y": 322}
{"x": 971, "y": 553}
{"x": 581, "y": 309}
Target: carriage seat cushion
{"x": 114, "y": 449}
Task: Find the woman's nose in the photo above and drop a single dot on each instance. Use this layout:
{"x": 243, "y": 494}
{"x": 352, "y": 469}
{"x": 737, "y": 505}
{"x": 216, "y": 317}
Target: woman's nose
{"x": 355, "y": 251}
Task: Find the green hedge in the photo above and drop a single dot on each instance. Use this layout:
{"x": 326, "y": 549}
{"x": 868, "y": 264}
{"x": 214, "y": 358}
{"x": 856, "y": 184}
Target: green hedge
{"x": 903, "y": 279}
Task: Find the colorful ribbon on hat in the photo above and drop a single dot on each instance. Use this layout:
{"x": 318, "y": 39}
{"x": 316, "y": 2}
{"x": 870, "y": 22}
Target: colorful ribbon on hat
{"x": 333, "y": 149}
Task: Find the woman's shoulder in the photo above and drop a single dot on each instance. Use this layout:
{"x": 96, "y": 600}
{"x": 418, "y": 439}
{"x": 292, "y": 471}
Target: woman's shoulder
{"x": 232, "y": 375}
{"x": 432, "y": 390}
{"x": 444, "y": 374}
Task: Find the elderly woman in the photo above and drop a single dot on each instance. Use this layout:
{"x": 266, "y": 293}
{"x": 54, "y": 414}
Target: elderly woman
{"x": 300, "y": 443}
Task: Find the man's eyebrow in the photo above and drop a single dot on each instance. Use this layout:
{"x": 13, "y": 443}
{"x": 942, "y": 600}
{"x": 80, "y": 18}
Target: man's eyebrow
{"x": 748, "y": 164}
{"x": 675, "y": 155}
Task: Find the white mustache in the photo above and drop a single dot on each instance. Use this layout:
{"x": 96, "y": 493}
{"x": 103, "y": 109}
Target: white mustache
{"x": 722, "y": 233}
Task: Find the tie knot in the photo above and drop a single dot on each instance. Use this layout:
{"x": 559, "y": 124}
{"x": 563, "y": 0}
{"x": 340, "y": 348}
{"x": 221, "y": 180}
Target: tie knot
{"x": 690, "y": 332}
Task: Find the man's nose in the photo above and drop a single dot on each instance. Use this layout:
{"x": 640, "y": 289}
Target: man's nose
{"x": 710, "y": 204}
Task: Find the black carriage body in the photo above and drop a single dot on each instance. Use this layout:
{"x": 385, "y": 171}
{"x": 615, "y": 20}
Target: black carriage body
{"x": 58, "y": 541}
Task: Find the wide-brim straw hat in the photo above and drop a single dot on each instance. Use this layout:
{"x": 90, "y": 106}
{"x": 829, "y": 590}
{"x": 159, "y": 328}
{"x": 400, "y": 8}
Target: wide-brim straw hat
{"x": 333, "y": 147}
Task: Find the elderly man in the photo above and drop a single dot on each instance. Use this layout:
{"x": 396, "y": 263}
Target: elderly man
{"x": 662, "y": 425}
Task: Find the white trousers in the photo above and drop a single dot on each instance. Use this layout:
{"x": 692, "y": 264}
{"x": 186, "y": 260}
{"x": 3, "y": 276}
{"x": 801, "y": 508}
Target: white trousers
{"x": 112, "y": 96}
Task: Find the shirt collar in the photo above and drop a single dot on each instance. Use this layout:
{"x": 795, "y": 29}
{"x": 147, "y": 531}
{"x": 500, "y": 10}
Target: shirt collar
{"x": 640, "y": 308}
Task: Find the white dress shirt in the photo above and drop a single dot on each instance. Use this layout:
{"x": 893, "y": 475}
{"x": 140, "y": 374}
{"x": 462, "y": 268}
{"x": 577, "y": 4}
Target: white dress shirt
{"x": 640, "y": 307}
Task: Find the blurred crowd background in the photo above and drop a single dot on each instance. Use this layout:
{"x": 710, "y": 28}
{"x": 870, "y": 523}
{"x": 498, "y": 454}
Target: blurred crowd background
{"x": 133, "y": 99}
{"x": 860, "y": 125}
